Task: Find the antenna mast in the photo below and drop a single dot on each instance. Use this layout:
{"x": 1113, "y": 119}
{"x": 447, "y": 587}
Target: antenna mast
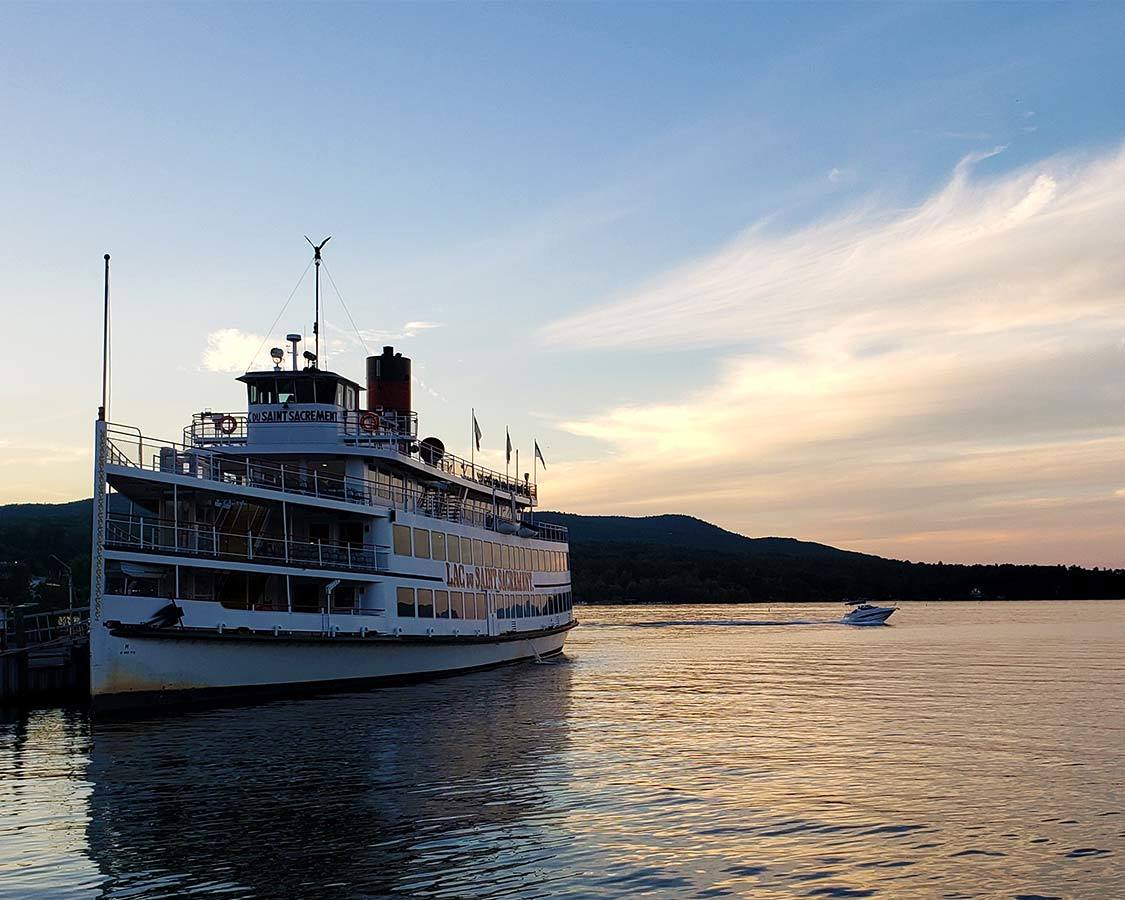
{"x": 316, "y": 322}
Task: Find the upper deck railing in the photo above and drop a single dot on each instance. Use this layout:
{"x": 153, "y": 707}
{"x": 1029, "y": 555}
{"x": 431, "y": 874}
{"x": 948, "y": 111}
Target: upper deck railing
{"x": 362, "y": 428}
{"x": 129, "y": 447}
{"x": 136, "y": 533}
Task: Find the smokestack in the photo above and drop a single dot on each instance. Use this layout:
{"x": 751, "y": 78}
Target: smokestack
{"x": 388, "y": 382}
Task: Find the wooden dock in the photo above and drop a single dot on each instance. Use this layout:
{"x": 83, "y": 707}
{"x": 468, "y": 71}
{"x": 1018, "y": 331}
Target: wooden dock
{"x": 47, "y": 658}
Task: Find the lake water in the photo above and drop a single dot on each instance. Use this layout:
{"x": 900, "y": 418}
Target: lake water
{"x": 968, "y": 750}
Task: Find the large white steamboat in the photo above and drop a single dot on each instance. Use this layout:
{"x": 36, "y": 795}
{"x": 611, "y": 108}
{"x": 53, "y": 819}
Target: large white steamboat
{"x": 311, "y": 541}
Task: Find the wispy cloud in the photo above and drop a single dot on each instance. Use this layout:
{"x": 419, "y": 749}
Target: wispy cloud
{"x": 230, "y": 350}
{"x": 913, "y": 381}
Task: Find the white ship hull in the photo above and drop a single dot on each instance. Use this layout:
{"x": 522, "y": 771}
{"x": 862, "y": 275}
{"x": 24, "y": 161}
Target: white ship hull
{"x": 137, "y": 667}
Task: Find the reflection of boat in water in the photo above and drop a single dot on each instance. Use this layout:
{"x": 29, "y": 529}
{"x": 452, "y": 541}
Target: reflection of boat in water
{"x": 418, "y": 789}
{"x": 866, "y": 614}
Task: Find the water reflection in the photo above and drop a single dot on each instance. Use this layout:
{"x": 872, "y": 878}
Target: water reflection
{"x": 418, "y": 789}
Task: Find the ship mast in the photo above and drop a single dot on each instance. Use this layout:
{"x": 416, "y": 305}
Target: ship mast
{"x": 316, "y": 322}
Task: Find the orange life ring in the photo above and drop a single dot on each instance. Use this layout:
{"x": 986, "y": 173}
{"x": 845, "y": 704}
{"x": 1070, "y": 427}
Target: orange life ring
{"x": 227, "y": 424}
{"x": 369, "y": 422}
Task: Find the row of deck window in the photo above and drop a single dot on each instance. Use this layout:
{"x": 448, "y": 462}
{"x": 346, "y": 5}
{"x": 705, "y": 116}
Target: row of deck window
{"x": 424, "y": 603}
{"x": 426, "y": 544}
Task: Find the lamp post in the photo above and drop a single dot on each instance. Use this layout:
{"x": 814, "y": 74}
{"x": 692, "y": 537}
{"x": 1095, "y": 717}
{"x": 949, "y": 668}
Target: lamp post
{"x": 69, "y": 581}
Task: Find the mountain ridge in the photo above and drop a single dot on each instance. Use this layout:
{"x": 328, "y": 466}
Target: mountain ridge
{"x": 662, "y": 558}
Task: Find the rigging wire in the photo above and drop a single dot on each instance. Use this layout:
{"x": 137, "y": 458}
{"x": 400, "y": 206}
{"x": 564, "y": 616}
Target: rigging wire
{"x": 355, "y": 328}
{"x": 279, "y": 315}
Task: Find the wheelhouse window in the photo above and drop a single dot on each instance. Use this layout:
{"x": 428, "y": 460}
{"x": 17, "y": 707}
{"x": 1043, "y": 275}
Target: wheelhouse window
{"x": 325, "y": 391}
{"x": 262, "y": 392}
{"x": 306, "y": 390}
{"x": 286, "y": 391}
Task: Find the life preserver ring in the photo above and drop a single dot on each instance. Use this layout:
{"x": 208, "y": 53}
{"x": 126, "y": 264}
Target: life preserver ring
{"x": 369, "y": 422}
{"x": 227, "y": 424}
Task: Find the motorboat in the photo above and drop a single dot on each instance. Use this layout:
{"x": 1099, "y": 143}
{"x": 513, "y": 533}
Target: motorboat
{"x": 865, "y": 614}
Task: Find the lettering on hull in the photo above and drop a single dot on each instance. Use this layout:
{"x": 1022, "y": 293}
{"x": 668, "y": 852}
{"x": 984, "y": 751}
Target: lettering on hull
{"x": 482, "y": 578}
{"x": 286, "y": 416}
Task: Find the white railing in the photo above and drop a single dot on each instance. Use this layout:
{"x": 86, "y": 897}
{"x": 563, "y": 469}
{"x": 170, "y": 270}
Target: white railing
{"x": 201, "y": 541}
{"x": 128, "y": 447}
{"x": 386, "y": 431}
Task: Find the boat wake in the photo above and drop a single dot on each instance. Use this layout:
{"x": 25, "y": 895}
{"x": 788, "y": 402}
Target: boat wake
{"x": 734, "y": 623}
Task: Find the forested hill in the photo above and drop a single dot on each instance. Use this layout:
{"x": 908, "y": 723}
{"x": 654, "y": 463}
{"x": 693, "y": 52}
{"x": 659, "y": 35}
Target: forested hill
{"x": 683, "y": 559}
{"x": 688, "y": 532}
{"x": 652, "y": 559}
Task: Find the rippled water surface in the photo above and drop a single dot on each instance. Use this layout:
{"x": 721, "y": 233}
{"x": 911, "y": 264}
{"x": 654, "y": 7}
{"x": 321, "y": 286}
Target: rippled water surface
{"x": 969, "y": 750}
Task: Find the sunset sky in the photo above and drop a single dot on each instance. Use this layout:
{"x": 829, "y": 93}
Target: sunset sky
{"x": 853, "y": 274}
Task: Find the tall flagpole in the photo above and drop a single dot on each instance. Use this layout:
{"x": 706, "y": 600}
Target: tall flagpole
{"x": 103, "y": 411}
{"x": 473, "y": 444}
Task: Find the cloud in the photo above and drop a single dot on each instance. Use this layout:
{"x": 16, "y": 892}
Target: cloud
{"x": 944, "y": 381}
{"x": 1032, "y": 247}
{"x": 230, "y": 350}
{"x": 407, "y": 330}
{"x": 410, "y": 328}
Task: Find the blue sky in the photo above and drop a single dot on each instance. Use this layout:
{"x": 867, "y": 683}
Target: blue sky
{"x": 575, "y": 207}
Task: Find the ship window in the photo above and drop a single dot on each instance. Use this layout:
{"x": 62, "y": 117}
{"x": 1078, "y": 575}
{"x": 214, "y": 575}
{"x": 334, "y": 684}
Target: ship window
{"x": 305, "y": 391}
{"x": 325, "y": 391}
{"x": 488, "y": 553}
{"x": 482, "y": 606}
{"x": 425, "y": 603}
{"x": 405, "y": 601}
{"x": 402, "y": 540}
{"x": 422, "y": 543}
{"x": 339, "y": 395}
{"x": 263, "y": 393}
{"x": 507, "y": 556}
{"x": 470, "y": 552}
{"x": 518, "y": 611}
{"x": 456, "y": 607}
{"x": 566, "y": 562}
{"x": 349, "y": 397}
{"x": 285, "y": 390}
{"x": 441, "y": 602}
{"x": 437, "y": 545}
{"x": 454, "y": 546}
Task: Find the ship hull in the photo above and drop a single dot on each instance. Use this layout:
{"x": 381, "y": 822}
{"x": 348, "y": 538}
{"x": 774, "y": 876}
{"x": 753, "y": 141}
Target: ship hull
{"x": 134, "y": 670}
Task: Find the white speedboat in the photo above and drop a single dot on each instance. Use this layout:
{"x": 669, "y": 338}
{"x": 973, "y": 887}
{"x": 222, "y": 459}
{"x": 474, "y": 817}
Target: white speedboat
{"x": 866, "y": 614}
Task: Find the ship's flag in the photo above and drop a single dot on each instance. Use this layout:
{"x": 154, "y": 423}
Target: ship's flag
{"x": 539, "y": 455}
{"x": 476, "y": 431}
{"x": 508, "y": 453}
